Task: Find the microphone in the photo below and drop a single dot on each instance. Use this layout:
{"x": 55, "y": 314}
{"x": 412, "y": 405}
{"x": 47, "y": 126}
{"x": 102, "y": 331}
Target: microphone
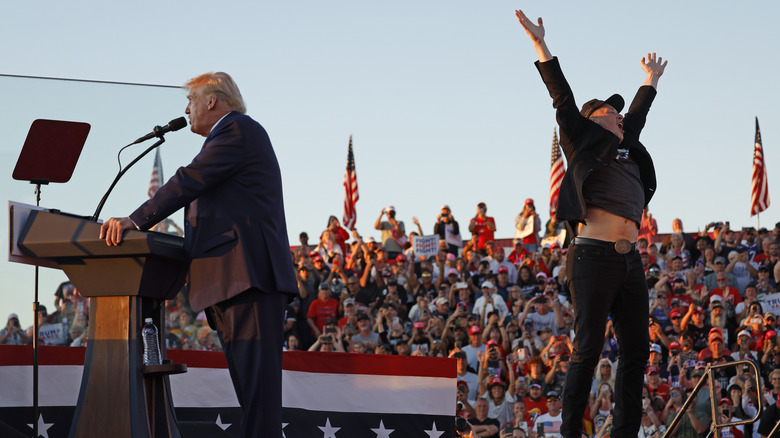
{"x": 173, "y": 125}
{"x": 158, "y": 131}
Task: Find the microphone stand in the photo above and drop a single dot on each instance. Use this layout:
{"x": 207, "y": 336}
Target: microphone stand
{"x": 122, "y": 172}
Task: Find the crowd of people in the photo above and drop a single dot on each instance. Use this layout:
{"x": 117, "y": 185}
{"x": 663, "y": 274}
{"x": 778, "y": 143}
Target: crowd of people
{"x": 505, "y": 315}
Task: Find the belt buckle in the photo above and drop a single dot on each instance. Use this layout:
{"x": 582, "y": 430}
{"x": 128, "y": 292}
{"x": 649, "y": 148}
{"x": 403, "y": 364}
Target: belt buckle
{"x": 623, "y": 246}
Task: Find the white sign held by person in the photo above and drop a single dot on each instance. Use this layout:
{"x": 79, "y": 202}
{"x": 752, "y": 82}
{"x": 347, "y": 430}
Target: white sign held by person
{"x": 771, "y": 303}
{"x": 426, "y": 246}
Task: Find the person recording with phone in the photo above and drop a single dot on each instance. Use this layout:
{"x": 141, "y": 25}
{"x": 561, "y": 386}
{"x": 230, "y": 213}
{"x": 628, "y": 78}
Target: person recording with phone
{"x": 329, "y": 343}
{"x": 448, "y": 230}
{"x": 537, "y": 311}
{"x": 13, "y": 334}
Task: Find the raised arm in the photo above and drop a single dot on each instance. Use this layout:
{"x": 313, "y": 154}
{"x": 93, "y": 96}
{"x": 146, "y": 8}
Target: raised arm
{"x": 652, "y": 66}
{"x": 536, "y": 32}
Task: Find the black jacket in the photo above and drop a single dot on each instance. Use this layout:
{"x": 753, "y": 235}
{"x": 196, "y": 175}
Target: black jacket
{"x": 588, "y": 147}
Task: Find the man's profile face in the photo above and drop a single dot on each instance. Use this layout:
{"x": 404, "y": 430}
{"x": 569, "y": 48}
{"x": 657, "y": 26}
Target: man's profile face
{"x": 608, "y": 118}
{"x": 197, "y": 108}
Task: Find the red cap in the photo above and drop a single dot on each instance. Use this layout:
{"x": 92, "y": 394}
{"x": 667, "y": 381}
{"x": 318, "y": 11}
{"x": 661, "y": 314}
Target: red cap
{"x": 674, "y": 345}
{"x": 503, "y": 270}
{"x": 770, "y": 334}
{"x": 400, "y": 258}
{"x": 474, "y": 330}
{"x": 698, "y": 310}
{"x": 491, "y": 342}
{"x": 419, "y": 325}
{"x": 462, "y": 383}
{"x": 652, "y": 369}
{"x": 529, "y": 201}
{"x": 724, "y": 400}
{"x": 675, "y": 312}
{"x": 496, "y": 381}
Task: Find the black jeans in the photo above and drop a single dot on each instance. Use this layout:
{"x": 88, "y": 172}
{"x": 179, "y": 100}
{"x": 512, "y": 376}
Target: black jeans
{"x": 604, "y": 284}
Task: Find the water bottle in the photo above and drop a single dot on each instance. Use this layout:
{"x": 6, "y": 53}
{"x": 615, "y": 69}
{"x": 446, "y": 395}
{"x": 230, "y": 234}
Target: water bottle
{"x": 151, "y": 343}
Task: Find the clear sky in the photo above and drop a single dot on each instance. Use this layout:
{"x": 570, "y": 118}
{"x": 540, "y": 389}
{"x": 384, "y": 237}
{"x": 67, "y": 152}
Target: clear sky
{"x": 442, "y": 98}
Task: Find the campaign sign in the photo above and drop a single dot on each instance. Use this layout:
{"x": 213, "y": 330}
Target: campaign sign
{"x": 771, "y": 303}
{"x": 426, "y": 246}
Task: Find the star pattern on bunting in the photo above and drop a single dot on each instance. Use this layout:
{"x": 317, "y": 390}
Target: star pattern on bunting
{"x": 43, "y": 427}
{"x": 328, "y": 430}
{"x": 221, "y": 425}
{"x": 434, "y": 433}
{"x": 381, "y": 432}
{"x": 283, "y": 426}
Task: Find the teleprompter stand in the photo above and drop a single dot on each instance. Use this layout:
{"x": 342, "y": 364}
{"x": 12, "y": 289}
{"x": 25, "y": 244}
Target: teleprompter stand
{"x": 49, "y": 154}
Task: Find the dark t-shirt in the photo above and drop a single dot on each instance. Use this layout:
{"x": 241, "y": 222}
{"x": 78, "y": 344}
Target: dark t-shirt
{"x": 617, "y": 188}
{"x": 487, "y": 422}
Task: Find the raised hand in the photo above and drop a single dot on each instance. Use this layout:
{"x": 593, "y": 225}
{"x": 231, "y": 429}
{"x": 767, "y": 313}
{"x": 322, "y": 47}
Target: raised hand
{"x": 650, "y": 64}
{"x": 654, "y": 67}
{"x": 535, "y": 31}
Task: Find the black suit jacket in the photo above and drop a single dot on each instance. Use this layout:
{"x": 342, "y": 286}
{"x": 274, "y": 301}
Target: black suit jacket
{"x": 588, "y": 147}
{"x": 235, "y": 229}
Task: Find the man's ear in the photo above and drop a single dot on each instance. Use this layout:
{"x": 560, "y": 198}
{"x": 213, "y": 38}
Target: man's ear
{"x": 212, "y": 102}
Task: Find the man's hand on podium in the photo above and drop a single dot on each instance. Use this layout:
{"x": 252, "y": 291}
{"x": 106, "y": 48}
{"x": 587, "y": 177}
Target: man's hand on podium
{"x": 113, "y": 229}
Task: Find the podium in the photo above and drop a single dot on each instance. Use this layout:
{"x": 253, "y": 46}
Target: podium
{"x": 119, "y": 396}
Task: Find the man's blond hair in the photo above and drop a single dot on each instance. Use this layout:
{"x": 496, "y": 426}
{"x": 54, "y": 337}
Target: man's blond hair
{"x": 221, "y": 85}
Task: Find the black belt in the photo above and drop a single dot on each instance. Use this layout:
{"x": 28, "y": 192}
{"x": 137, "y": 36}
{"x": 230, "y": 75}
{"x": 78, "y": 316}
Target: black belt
{"x": 621, "y": 246}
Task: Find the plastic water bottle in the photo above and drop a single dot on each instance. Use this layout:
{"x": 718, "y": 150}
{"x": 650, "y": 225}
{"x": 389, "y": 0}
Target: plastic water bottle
{"x": 151, "y": 343}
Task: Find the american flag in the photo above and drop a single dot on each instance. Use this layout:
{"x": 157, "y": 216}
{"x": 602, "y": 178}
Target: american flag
{"x": 157, "y": 175}
{"x": 759, "y": 197}
{"x": 556, "y": 173}
{"x": 351, "y": 194}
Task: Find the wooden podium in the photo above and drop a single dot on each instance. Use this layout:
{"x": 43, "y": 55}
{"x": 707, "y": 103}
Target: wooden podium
{"x": 119, "y": 396}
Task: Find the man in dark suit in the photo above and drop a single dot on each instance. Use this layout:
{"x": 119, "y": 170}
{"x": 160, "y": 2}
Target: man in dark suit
{"x": 240, "y": 268}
